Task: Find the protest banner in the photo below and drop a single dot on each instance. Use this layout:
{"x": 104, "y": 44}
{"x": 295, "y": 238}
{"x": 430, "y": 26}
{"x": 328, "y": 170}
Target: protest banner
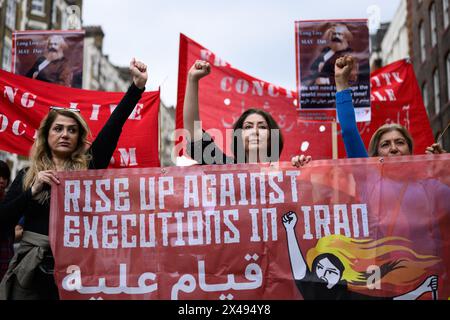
{"x": 25, "y": 102}
{"x": 50, "y": 56}
{"x": 345, "y": 229}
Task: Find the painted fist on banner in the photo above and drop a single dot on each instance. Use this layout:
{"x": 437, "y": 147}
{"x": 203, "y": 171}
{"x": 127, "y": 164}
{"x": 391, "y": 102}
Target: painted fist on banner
{"x": 290, "y": 220}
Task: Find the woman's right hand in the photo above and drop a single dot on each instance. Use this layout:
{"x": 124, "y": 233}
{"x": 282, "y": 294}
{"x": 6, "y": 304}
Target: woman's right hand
{"x": 44, "y": 178}
{"x": 343, "y": 72}
{"x": 435, "y": 149}
{"x": 199, "y": 70}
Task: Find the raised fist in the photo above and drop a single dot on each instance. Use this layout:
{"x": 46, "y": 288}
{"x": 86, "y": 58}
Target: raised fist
{"x": 139, "y": 72}
{"x": 199, "y": 70}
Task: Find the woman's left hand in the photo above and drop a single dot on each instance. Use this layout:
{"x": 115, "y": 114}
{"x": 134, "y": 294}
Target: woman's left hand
{"x": 435, "y": 149}
{"x": 139, "y": 72}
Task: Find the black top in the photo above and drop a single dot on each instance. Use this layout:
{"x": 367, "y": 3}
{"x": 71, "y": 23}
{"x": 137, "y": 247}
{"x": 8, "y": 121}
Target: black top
{"x": 18, "y": 202}
{"x": 206, "y": 152}
{"x": 312, "y": 288}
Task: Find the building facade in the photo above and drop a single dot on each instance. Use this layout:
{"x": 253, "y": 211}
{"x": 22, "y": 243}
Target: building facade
{"x": 430, "y": 54}
{"x": 166, "y": 135}
{"x": 376, "y": 53}
{"x": 420, "y": 30}
{"x": 395, "y": 43}
{"x": 31, "y": 15}
{"x": 98, "y": 72}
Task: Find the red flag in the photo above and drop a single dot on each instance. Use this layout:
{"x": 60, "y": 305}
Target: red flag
{"x": 224, "y": 94}
{"x": 227, "y": 92}
{"x": 396, "y": 98}
{"x": 25, "y": 102}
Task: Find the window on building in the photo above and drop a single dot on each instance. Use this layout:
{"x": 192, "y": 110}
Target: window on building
{"x": 445, "y": 13}
{"x": 433, "y": 27}
{"x": 422, "y": 41}
{"x": 425, "y": 97}
{"x": 7, "y": 55}
{"x": 437, "y": 93}
{"x": 10, "y": 21}
{"x": 448, "y": 77}
{"x": 38, "y": 7}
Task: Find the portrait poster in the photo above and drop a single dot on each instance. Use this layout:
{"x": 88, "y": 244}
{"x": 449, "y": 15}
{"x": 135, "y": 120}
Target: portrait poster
{"x": 319, "y": 44}
{"x": 51, "y": 56}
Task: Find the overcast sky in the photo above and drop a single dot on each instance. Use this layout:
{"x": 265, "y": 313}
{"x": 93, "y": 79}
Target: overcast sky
{"x": 255, "y": 36}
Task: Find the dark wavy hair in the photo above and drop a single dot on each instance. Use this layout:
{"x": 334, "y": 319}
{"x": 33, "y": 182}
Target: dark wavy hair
{"x": 333, "y": 259}
{"x": 5, "y": 172}
{"x": 237, "y": 144}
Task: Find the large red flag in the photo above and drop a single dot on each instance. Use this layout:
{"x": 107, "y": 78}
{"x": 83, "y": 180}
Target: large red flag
{"x": 396, "y": 98}
{"x": 25, "y": 102}
{"x": 224, "y": 94}
{"x": 227, "y": 92}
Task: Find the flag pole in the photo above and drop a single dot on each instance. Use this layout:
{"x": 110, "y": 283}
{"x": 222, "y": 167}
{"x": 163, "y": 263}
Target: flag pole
{"x": 334, "y": 137}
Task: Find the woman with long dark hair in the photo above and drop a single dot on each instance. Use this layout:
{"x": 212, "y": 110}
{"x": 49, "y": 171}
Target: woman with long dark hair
{"x": 257, "y": 137}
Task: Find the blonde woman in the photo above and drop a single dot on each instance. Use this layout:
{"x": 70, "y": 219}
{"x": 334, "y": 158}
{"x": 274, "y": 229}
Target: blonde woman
{"x": 61, "y": 145}
{"x": 390, "y": 140}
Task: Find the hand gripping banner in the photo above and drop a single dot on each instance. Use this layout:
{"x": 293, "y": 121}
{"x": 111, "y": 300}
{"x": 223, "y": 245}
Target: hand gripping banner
{"x": 347, "y": 229}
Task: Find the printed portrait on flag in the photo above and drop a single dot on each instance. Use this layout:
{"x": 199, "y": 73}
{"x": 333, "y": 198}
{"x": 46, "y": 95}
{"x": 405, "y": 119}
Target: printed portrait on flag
{"x": 51, "y": 56}
{"x": 319, "y": 45}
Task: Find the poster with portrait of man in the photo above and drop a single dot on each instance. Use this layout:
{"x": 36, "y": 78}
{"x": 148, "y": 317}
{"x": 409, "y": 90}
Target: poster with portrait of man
{"x": 319, "y": 44}
{"x": 50, "y": 56}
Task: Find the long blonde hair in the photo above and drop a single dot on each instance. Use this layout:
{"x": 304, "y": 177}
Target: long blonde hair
{"x": 41, "y": 156}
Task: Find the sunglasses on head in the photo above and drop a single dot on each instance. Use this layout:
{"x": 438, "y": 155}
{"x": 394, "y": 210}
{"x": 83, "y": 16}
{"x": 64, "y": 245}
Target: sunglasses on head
{"x": 64, "y": 109}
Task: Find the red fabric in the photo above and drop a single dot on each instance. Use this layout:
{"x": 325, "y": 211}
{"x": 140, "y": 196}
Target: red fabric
{"x": 243, "y": 92}
{"x": 315, "y": 137}
{"x": 396, "y": 98}
{"x": 224, "y": 224}
{"x": 25, "y": 102}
